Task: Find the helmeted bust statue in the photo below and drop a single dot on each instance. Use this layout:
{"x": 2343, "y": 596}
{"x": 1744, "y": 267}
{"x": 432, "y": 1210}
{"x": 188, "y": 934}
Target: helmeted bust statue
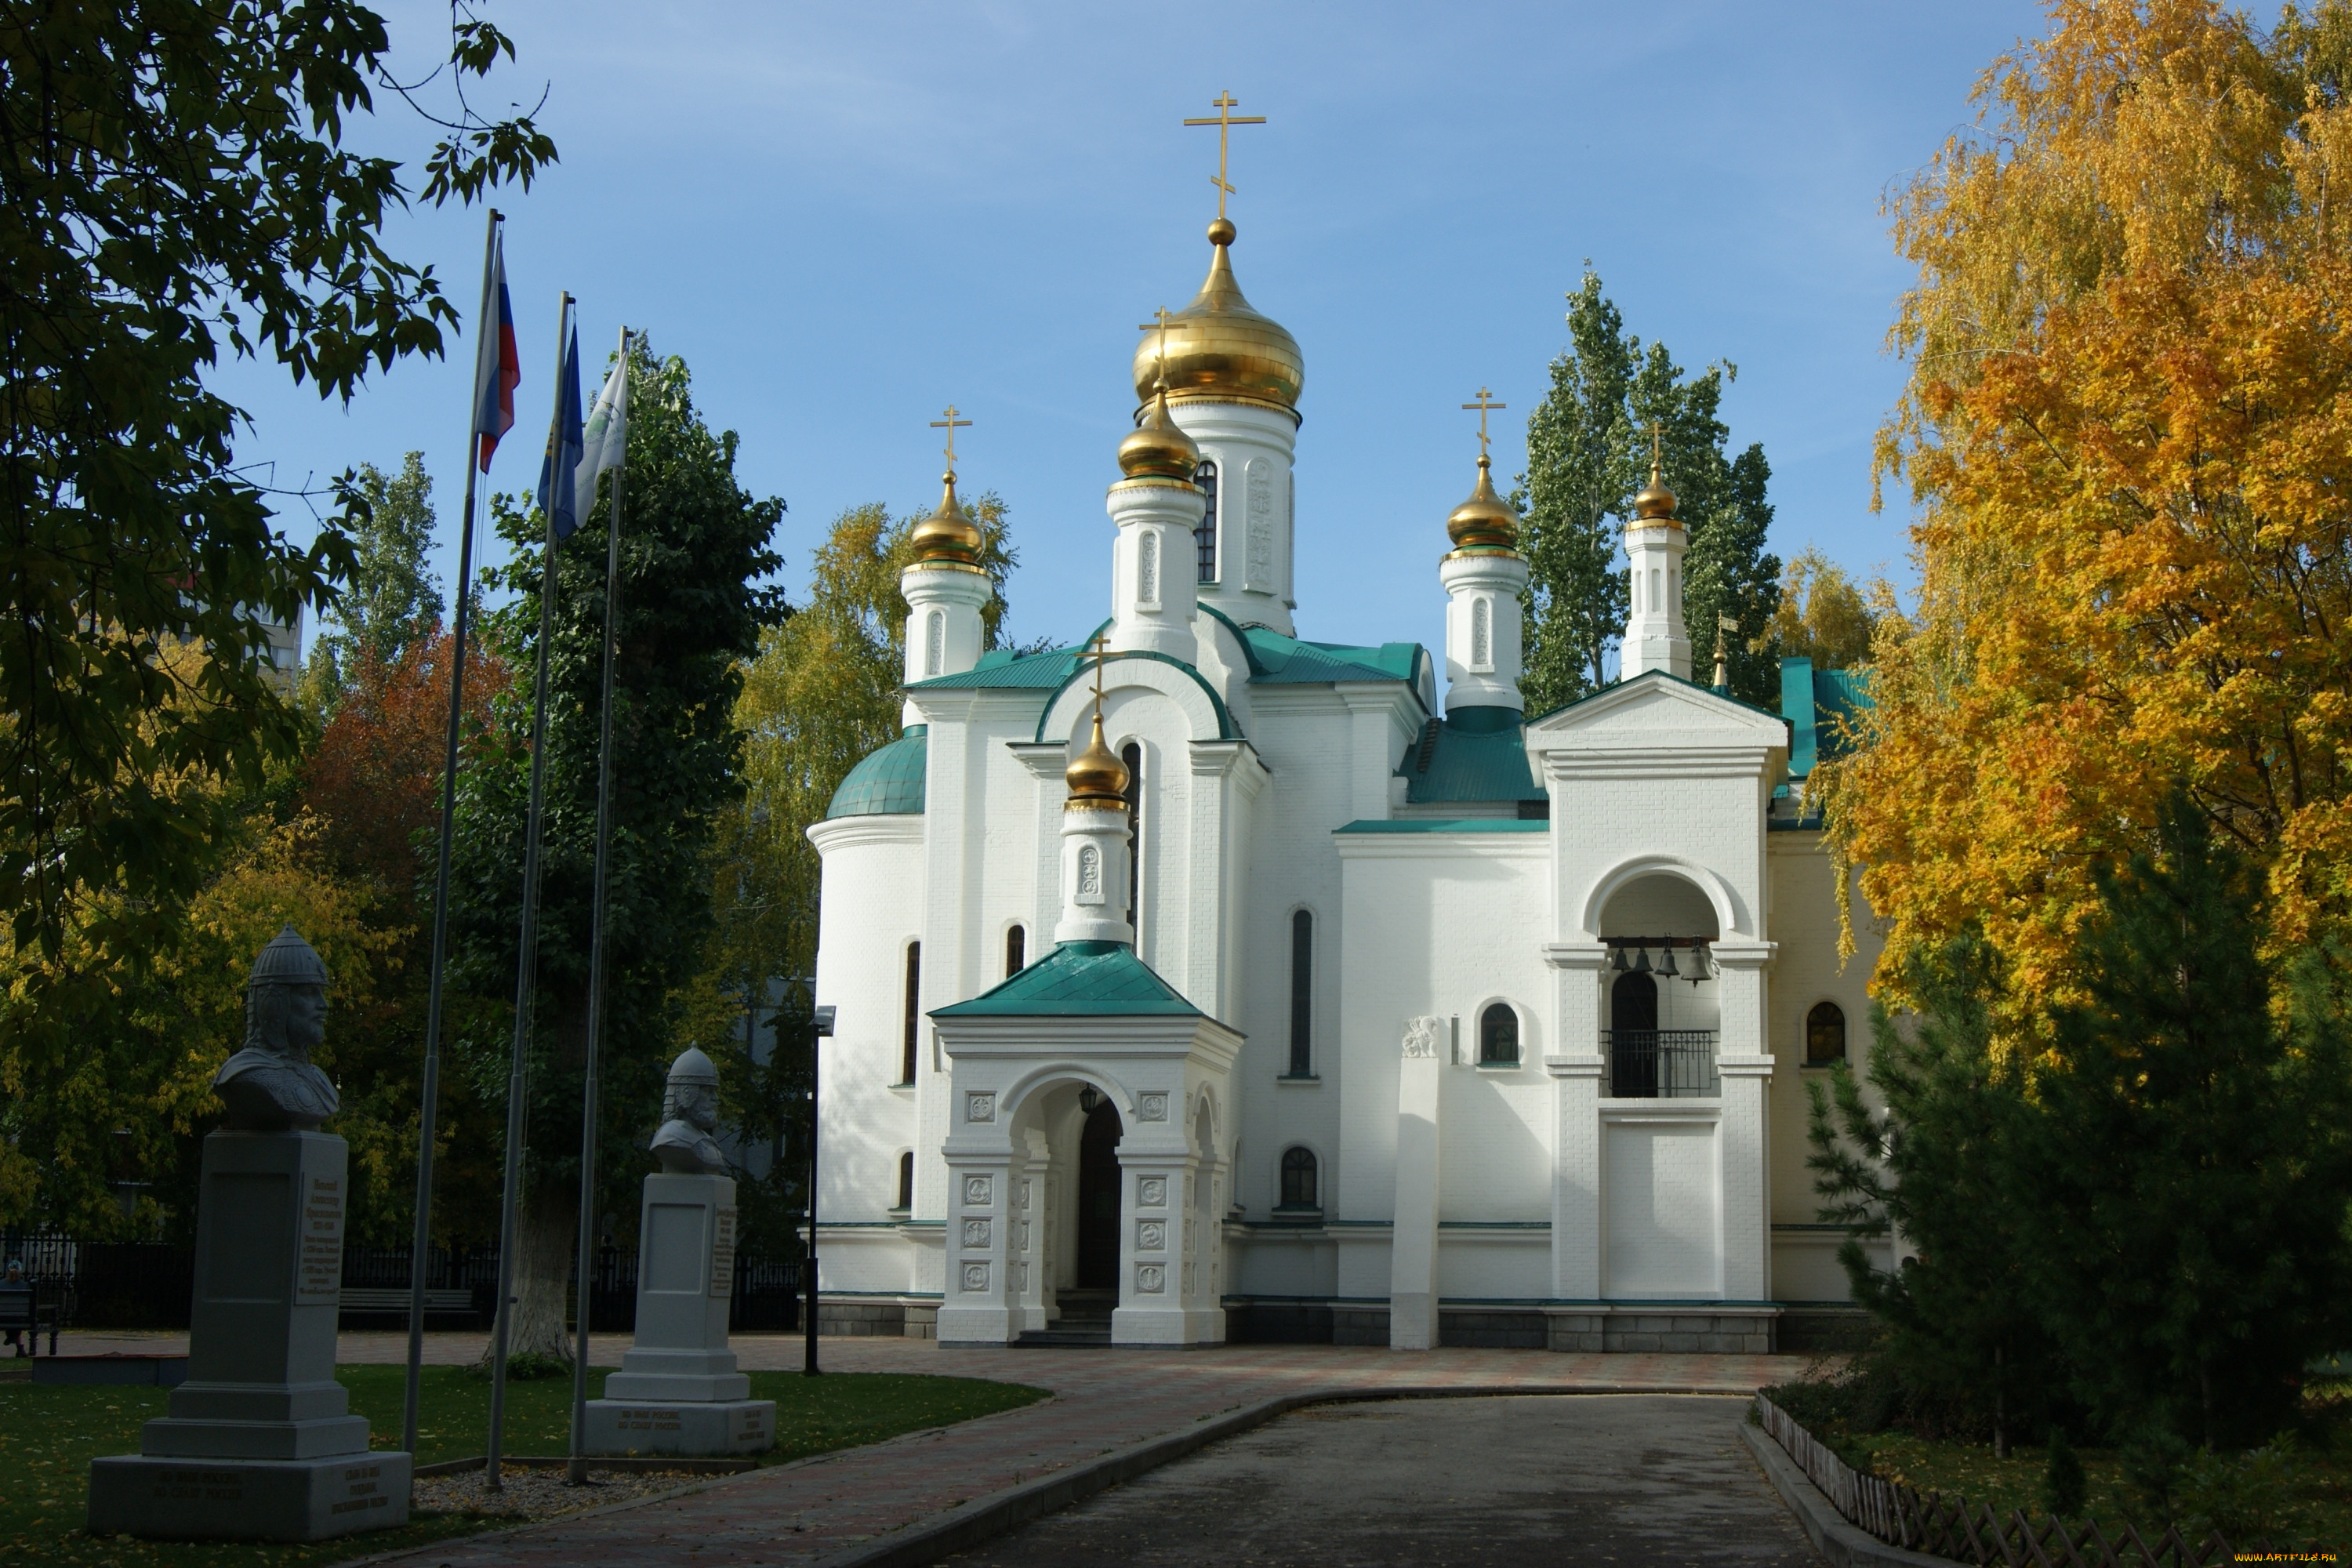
{"x": 271, "y": 1085}
{"x": 689, "y": 1115}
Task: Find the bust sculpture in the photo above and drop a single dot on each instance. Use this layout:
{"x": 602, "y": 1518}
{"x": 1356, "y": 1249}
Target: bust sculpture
{"x": 270, "y": 1086}
{"x": 689, "y": 1116}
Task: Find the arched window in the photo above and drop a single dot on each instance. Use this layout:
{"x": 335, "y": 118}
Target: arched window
{"x": 1498, "y": 1036}
{"x": 1824, "y": 1034}
{"x": 1147, "y": 572}
{"x": 913, "y": 1017}
{"x": 906, "y": 1182}
{"x": 935, "y": 642}
{"x": 1205, "y": 536}
{"x": 1016, "y": 950}
{"x": 1299, "y": 1190}
{"x": 1132, "y": 755}
{"x": 1302, "y": 995}
{"x": 1482, "y": 634}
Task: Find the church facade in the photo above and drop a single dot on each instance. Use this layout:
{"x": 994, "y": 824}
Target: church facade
{"x": 1208, "y": 983}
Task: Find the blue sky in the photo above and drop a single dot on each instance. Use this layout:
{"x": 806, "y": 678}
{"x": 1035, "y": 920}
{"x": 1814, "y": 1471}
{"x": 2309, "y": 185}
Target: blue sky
{"x": 846, "y": 216}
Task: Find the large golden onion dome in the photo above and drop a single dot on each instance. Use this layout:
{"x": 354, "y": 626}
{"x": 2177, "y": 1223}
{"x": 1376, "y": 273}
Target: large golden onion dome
{"x": 1157, "y": 446}
{"x": 1097, "y": 779}
{"x": 948, "y": 537}
{"x": 1221, "y": 350}
{"x": 1484, "y": 522}
{"x": 1653, "y": 502}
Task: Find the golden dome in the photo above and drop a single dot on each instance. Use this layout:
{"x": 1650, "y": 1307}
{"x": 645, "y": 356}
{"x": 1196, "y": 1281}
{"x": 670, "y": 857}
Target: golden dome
{"x": 1095, "y": 776}
{"x": 1484, "y": 522}
{"x": 1157, "y": 446}
{"x": 1653, "y": 502}
{"x": 947, "y": 535}
{"x": 1219, "y": 349}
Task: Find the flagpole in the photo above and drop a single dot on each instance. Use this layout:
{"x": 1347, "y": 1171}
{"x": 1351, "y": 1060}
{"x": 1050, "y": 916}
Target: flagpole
{"x": 429, "y": 1103}
{"x": 527, "y": 959}
{"x": 576, "y": 1474}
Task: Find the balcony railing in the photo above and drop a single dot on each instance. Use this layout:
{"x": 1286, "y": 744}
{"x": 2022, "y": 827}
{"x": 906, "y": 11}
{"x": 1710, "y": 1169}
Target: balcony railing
{"x": 1661, "y": 1064}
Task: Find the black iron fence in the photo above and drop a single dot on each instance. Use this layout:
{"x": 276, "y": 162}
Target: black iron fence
{"x": 1661, "y": 1064}
{"x": 149, "y": 1284}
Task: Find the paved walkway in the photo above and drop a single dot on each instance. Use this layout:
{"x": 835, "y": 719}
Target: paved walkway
{"x": 1633, "y": 1480}
{"x": 1103, "y": 1400}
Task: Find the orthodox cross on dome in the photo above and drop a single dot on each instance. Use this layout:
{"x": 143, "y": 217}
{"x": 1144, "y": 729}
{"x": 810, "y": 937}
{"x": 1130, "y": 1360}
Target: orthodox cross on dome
{"x": 1097, "y": 650}
{"x": 1657, "y": 451}
{"x": 1159, "y": 326}
{"x": 1224, "y": 103}
{"x": 1484, "y": 403}
{"x": 950, "y": 424}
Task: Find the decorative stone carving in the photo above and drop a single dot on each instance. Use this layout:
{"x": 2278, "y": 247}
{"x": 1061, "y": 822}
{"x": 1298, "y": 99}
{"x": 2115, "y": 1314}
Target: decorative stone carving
{"x": 684, "y": 1144}
{"x": 978, "y": 1191}
{"x": 979, "y": 1106}
{"x": 1151, "y": 1279}
{"x": 1152, "y": 1192}
{"x": 1423, "y": 1036}
{"x": 1261, "y": 523}
{"x": 976, "y": 1233}
{"x": 271, "y": 1085}
{"x": 975, "y": 1278}
{"x": 1151, "y": 1107}
{"x": 1150, "y": 1236}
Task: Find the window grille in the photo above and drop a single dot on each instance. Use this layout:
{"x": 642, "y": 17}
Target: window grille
{"x": 1298, "y": 1189}
{"x": 1132, "y": 755}
{"x": 1302, "y": 995}
{"x": 1016, "y": 950}
{"x": 1498, "y": 1036}
{"x": 1205, "y": 535}
{"x": 1824, "y": 1034}
{"x": 913, "y": 1017}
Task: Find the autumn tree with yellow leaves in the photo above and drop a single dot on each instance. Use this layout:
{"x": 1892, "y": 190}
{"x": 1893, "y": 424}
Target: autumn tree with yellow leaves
{"x": 2128, "y": 436}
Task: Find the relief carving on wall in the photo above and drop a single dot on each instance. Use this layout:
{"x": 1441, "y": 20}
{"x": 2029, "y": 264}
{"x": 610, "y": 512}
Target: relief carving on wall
{"x": 1421, "y": 1035}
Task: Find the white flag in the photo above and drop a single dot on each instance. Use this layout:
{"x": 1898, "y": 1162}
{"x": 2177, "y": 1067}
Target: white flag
{"x": 606, "y": 442}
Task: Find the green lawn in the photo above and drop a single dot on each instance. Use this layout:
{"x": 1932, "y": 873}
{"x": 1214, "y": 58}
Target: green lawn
{"x": 48, "y": 1436}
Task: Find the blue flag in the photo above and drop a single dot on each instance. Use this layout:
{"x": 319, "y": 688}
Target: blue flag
{"x": 557, "y": 473}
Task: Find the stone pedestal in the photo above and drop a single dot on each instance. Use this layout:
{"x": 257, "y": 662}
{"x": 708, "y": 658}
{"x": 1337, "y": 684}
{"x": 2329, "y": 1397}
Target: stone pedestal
{"x": 260, "y": 1443}
{"x": 677, "y": 1391}
{"x": 1412, "y": 1256}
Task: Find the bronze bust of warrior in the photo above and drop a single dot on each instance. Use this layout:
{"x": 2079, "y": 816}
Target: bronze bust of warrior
{"x": 270, "y": 1086}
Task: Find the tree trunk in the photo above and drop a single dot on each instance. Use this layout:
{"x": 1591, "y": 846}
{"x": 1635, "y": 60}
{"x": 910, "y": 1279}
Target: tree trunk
{"x": 547, "y": 1230}
{"x": 1999, "y": 1407}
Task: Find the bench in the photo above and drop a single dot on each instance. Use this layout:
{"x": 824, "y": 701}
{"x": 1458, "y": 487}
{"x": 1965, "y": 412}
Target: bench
{"x": 22, "y": 1318}
{"x": 394, "y": 1301}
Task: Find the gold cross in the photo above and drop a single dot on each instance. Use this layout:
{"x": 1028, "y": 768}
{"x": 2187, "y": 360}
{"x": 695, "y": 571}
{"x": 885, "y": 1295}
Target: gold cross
{"x": 1657, "y": 449}
{"x": 1160, "y": 326}
{"x": 1482, "y": 405}
{"x": 1224, "y": 103}
{"x": 950, "y": 424}
{"x": 1097, "y": 650}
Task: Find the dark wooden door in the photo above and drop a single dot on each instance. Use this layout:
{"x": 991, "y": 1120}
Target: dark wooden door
{"x": 1098, "y": 1185}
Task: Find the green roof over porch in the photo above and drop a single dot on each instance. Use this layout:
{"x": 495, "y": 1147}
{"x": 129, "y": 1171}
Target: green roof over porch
{"x": 1077, "y": 979}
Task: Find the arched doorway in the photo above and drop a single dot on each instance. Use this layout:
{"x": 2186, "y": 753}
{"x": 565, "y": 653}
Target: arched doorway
{"x": 1633, "y": 1036}
{"x": 1098, "y": 1200}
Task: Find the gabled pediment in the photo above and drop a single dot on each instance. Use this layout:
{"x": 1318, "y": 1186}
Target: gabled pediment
{"x": 1654, "y": 710}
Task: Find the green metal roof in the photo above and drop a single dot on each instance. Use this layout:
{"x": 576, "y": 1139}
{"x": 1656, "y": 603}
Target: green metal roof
{"x": 1451, "y": 825}
{"x": 1824, "y": 709}
{"x": 1077, "y": 979}
{"x": 1003, "y": 668}
{"x": 1472, "y": 754}
{"x": 887, "y": 780}
{"x": 1279, "y": 660}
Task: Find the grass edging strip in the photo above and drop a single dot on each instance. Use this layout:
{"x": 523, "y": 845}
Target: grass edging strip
{"x": 968, "y": 1524}
{"x": 1844, "y": 1545}
{"x": 619, "y": 1464}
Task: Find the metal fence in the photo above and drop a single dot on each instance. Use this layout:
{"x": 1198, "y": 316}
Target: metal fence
{"x": 1655, "y": 1064}
{"x": 149, "y": 1284}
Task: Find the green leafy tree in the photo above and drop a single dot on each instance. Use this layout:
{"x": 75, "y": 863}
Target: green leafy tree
{"x": 1589, "y": 445}
{"x": 2181, "y": 1184}
{"x": 393, "y": 600}
{"x": 822, "y": 693}
{"x": 1821, "y": 614}
{"x": 694, "y": 542}
{"x": 1931, "y": 1174}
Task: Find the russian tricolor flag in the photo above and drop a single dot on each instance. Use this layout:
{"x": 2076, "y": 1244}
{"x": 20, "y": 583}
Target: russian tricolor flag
{"x": 498, "y": 367}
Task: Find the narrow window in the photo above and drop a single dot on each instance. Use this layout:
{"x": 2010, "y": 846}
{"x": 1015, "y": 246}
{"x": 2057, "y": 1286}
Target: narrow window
{"x": 1498, "y": 1036}
{"x": 1147, "y": 572}
{"x": 1824, "y": 1034}
{"x": 1016, "y": 950}
{"x": 1656, "y": 603}
{"x": 1132, "y": 755}
{"x": 1297, "y": 1179}
{"x": 913, "y": 1017}
{"x": 1205, "y": 536}
{"x": 1482, "y": 634}
{"x": 1302, "y": 995}
{"x": 906, "y": 1182}
{"x": 935, "y": 643}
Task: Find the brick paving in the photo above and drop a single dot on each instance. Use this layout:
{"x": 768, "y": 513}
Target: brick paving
{"x": 1103, "y": 1400}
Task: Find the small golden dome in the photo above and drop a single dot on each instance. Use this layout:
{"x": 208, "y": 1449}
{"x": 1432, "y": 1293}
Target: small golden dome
{"x": 1095, "y": 776}
{"x": 947, "y": 535}
{"x": 1220, "y": 350}
{"x": 1653, "y": 502}
{"x": 1485, "y": 520}
{"x": 1157, "y": 446}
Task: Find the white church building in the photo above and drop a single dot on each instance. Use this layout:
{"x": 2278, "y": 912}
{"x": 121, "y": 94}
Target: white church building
{"x": 1230, "y": 986}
